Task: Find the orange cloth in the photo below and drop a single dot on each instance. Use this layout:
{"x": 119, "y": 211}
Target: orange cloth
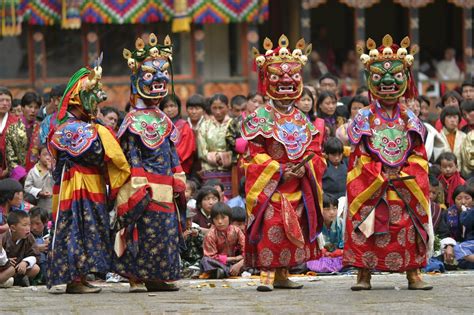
{"x": 451, "y": 136}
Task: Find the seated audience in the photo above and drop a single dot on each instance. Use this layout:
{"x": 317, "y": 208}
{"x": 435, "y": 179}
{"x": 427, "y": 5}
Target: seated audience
{"x": 223, "y": 246}
{"x": 332, "y": 234}
{"x": 18, "y": 251}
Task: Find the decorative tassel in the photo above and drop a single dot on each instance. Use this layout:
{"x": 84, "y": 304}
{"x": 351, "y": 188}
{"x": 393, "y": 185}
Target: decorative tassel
{"x": 181, "y": 19}
{"x": 70, "y": 14}
{"x": 10, "y": 24}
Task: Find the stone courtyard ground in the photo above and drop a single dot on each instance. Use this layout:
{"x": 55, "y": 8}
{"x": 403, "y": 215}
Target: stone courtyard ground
{"x": 453, "y": 293}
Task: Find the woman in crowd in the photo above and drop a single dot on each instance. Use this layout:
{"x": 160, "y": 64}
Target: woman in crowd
{"x": 215, "y": 157}
{"x": 13, "y": 140}
{"x": 186, "y": 143}
{"x": 326, "y": 107}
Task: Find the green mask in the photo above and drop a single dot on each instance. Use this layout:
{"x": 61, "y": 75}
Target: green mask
{"x": 387, "y": 80}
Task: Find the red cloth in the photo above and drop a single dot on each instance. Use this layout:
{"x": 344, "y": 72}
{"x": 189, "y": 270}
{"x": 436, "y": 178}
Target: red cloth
{"x": 449, "y": 185}
{"x": 278, "y": 226}
{"x": 402, "y": 247}
{"x": 220, "y": 245}
{"x": 186, "y": 145}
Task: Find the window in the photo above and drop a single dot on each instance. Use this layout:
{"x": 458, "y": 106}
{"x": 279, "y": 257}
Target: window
{"x": 63, "y": 51}
{"x": 14, "y": 57}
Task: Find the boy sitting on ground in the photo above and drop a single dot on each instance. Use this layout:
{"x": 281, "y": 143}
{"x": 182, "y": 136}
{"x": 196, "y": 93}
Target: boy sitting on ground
{"x": 18, "y": 245}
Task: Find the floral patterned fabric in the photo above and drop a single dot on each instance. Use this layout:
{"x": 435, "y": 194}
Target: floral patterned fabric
{"x": 153, "y": 231}
{"x": 81, "y": 242}
{"x": 13, "y": 143}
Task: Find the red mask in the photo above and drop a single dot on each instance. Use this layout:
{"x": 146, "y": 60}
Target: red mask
{"x": 284, "y": 80}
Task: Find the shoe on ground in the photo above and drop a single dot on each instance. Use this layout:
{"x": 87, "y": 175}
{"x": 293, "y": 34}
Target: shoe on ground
{"x": 137, "y": 287}
{"x": 287, "y": 284}
{"x": 360, "y": 286}
{"x": 419, "y": 285}
{"x": 155, "y": 286}
{"x": 265, "y": 288}
{"x": 80, "y": 288}
{"x": 7, "y": 284}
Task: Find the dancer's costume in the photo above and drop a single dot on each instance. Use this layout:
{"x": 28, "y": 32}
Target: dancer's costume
{"x": 90, "y": 167}
{"x": 151, "y": 206}
{"x": 284, "y": 217}
{"x": 388, "y": 226}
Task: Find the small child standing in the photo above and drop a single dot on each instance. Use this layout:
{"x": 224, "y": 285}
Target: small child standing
{"x": 18, "y": 245}
{"x": 192, "y": 255}
{"x": 333, "y": 239}
{"x": 334, "y": 178}
{"x": 39, "y": 181}
{"x": 224, "y": 245}
{"x": 39, "y": 222}
{"x": 450, "y": 177}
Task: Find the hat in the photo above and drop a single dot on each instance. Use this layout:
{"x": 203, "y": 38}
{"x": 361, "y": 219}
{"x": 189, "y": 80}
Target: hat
{"x": 9, "y": 184}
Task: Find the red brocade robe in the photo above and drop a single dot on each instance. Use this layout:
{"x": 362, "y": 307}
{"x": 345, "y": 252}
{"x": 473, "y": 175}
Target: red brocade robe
{"x": 388, "y": 221}
{"x": 284, "y": 216}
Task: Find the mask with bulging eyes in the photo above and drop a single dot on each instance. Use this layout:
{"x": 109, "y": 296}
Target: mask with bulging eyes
{"x": 151, "y": 79}
{"x": 387, "y": 79}
{"x": 284, "y": 80}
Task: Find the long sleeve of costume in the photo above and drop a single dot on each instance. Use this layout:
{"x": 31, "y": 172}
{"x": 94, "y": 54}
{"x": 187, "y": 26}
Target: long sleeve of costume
{"x": 16, "y": 145}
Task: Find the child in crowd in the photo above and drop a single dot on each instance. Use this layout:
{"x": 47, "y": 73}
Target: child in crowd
{"x": 16, "y": 108}
{"x": 217, "y": 184}
{"x": 192, "y": 255}
{"x": 39, "y": 228}
{"x": 450, "y": 229}
{"x": 450, "y": 118}
{"x": 239, "y": 218}
{"x": 195, "y": 108}
{"x": 332, "y": 234}
{"x": 435, "y": 192}
{"x": 467, "y": 148}
{"x": 237, "y": 105}
{"x": 39, "y": 183}
{"x": 206, "y": 198}
{"x": 450, "y": 177}
{"x": 190, "y": 194}
{"x": 334, "y": 178}
{"x": 223, "y": 246}
{"x": 11, "y": 198}
{"x": 18, "y": 251}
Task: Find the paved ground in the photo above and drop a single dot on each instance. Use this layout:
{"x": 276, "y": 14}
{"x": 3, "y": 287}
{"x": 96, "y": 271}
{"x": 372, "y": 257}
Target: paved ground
{"x": 453, "y": 293}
